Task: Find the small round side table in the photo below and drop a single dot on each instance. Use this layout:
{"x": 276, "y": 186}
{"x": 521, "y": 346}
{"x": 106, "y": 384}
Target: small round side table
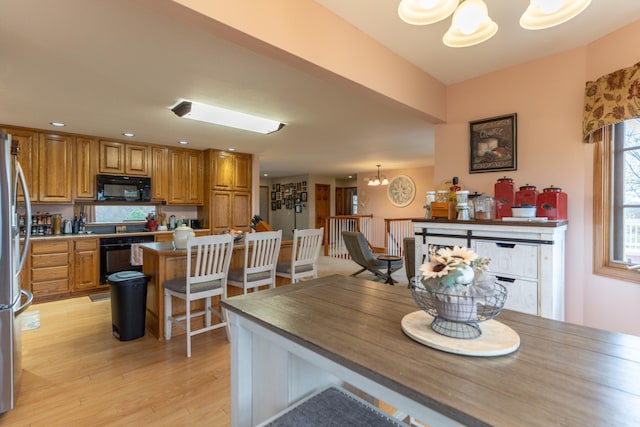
{"x": 389, "y": 259}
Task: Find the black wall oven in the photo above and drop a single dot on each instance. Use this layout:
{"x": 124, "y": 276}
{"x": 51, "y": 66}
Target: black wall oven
{"x": 115, "y": 254}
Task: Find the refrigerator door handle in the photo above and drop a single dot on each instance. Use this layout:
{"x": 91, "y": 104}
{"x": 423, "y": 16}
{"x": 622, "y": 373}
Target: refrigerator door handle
{"x": 26, "y": 304}
{"x": 27, "y": 203}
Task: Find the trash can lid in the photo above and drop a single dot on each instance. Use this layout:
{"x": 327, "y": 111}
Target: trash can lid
{"x": 122, "y": 276}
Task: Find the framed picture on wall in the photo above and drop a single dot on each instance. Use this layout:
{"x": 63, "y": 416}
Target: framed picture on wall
{"x": 492, "y": 144}
{"x": 298, "y": 209}
{"x": 279, "y": 204}
{"x": 303, "y": 196}
{"x": 273, "y": 195}
{"x": 273, "y": 206}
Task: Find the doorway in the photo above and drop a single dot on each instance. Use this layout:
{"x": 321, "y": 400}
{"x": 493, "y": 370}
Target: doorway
{"x": 323, "y": 204}
{"x": 264, "y": 203}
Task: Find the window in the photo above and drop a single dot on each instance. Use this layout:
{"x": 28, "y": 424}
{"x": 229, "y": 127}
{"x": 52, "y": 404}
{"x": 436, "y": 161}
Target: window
{"x": 617, "y": 201}
{"x": 120, "y": 213}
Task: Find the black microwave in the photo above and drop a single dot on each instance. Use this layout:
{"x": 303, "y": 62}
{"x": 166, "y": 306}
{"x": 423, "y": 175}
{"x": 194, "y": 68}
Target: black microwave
{"x": 119, "y": 188}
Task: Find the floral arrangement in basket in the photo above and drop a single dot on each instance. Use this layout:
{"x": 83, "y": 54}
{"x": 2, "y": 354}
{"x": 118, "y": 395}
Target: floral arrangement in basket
{"x": 452, "y": 270}
{"x": 456, "y": 285}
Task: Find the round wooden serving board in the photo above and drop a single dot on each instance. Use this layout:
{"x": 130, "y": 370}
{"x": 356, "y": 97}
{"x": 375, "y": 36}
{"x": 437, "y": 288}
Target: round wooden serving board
{"x": 497, "y": 339}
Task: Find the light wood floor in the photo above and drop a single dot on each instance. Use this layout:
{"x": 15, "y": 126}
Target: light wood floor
{"x": 75, "y": 373}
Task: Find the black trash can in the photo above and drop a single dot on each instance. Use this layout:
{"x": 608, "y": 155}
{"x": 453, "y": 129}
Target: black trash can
{"x": 128, "y": 304}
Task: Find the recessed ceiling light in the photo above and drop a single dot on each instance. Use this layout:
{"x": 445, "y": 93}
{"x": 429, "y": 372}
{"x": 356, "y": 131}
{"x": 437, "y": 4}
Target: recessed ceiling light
{"x": 129, "y": 134}
{"x": 183, "y": 142}
{"x": 232, "y": 149}
{"x": 57, "y": 124}
{"x": 266, "y": 174}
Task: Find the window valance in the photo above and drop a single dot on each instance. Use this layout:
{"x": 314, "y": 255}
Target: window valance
{"x": 611, "y": 99}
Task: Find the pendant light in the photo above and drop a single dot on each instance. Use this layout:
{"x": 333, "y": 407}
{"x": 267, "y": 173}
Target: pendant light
{"x": 378, "y": 179}
{"x": 471, "y": 23}
{"x": 543, "y": 14}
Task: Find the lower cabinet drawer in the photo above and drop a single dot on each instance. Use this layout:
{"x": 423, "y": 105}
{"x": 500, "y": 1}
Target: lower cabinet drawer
{"x": 50, "y": 287}
{"x": 514, "y": 259}
{"x": 522, "y": 295}
{"x": 49, "y": 260}
{"x": 50, "y": 273}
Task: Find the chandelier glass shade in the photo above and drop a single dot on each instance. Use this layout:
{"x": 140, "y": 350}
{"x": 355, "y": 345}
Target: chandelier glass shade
{"x": 378, "y": 179}
{"x": 471, "y": 23}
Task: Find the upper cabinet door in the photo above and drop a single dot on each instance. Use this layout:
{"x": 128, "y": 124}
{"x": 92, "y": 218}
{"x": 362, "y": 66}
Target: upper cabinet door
{"x": 28, "y": 158}
{"x": 195, "y": 177}
{"x": 222, "y": 170}
{"x": 111, "y": 157}
{"x": 136, "y": 160}
{"x": 242, "y": 172}
{"x": 159, "y": 172}
{"x": 55, "y": 165}
{"x": 86, "y": 161}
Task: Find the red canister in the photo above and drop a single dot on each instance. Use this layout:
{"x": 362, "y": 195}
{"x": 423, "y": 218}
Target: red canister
{"x": 503, "y": 193}
{"x": 526, "y": 196}
{"x": 552, "y": 203}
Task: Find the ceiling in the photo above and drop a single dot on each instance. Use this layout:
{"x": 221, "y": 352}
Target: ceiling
{"x": 107, "y": 67}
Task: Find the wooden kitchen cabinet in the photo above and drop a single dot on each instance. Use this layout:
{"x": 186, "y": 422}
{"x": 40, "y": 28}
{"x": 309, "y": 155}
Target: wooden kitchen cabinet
{"x": 121, "y": 158}
{"x": 86, "y": 264}
{"x": 159, "y": 178}
{"x": 186, "y": 177}
{"x": 28, "y": 158}
{"x": 229, "y": 209}
{"x": 230, "y": 171}
{"x": 55, "y": 164}
{"x": 51, "y": 268}
{"x": 526, "y": 258}
{"x": 86, "y": 167}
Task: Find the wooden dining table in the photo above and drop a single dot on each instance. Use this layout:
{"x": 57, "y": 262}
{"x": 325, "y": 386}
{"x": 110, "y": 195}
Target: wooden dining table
{"x": 287, "y": 342}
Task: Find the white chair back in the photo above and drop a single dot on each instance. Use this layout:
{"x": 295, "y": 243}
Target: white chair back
{"x": 262, "y": 251}
{"x": 304, "y": 255}
{"x": 260, "y": 259}
{"x": 210, "y": 262}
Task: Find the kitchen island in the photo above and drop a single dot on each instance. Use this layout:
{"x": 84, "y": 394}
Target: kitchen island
{"x": 161, "y": 261}
{"x": 343, "y": 329}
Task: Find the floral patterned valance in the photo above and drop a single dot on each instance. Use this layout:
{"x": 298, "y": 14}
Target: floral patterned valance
{"x": 610, "y": 100}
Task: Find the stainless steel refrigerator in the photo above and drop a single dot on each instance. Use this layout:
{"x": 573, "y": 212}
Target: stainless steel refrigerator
{"x": 13, "y": 299}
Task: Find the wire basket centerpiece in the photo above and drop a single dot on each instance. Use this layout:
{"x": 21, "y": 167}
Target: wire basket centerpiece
{"x": 458, "y": 291}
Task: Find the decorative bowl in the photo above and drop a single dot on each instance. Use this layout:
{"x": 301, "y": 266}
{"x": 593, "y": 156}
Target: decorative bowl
{"x": 523, "y": 211}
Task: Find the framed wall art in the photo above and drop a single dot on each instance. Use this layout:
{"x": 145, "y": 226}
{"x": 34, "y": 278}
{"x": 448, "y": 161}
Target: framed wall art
{"x": 492, "y": 144}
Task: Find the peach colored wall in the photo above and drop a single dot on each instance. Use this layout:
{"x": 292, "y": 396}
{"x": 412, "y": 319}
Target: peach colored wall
{"x": 547, "y": 94}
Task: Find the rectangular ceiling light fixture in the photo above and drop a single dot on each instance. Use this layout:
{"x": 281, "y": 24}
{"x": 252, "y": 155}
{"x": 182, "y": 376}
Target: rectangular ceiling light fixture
{"x": 223, "y": 117}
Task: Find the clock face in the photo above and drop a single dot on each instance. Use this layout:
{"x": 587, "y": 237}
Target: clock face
{"x": 401, "y": 191}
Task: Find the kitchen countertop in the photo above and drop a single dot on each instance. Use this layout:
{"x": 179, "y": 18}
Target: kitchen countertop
{"x": 302, "y": 336}
{"x": 100, "y": 235}
{"x": 525, "y": 221}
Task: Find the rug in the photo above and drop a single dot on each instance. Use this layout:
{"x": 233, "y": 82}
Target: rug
{"x": 30, "y": 320}
{"x": 100, "y": 296}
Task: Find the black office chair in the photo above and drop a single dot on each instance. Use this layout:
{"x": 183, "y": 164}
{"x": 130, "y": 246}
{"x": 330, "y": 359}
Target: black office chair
{"x": 361, "y": 254}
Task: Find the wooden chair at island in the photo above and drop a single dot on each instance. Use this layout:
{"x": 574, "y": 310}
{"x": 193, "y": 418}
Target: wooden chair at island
{"x": 208, "y": 259}
{"x": 260, "y": 259}
{"x": 304, "y": 255}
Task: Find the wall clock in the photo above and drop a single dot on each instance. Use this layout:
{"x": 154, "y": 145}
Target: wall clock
{"x": 401, "y": 191}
